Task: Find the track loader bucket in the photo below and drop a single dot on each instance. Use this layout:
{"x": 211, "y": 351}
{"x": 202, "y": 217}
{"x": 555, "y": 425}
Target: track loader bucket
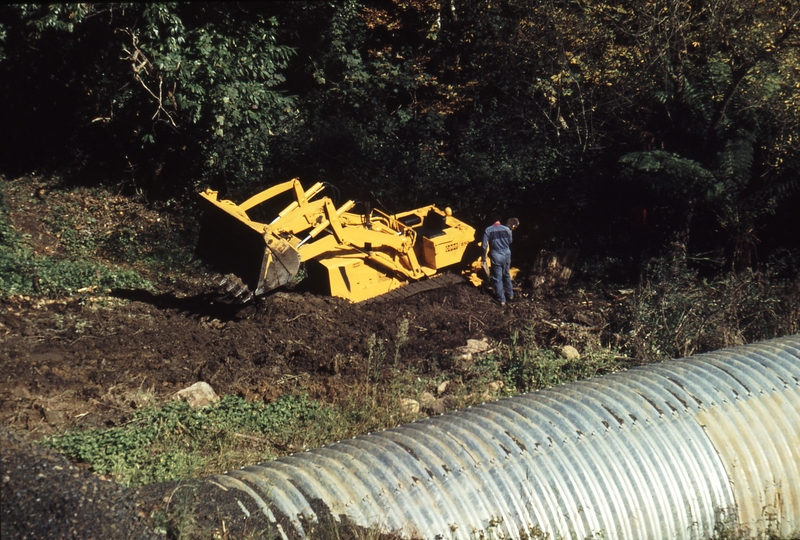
{"x": 232, "y": 244}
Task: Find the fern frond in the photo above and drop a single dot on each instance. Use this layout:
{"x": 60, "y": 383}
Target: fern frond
{"x": 668, "y": 174}
{"x": 736, "y": 160}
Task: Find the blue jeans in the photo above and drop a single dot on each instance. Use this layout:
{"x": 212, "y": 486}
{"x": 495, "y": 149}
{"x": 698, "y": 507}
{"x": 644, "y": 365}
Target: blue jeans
{"x": 501, "y": 279}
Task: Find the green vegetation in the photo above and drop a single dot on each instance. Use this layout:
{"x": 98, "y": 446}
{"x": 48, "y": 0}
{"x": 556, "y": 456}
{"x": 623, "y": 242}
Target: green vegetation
{"x": 24, "y": 272}
{"x": 530, "y": 368}
{"x": 175, "y": 441}
{"x": 578, "y": 118}
{"x": 182, "y": 89}
{"x": 676, "y": 313}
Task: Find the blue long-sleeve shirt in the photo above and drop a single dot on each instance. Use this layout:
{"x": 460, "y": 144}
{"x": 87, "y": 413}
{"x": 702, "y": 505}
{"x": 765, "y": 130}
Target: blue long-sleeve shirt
{"x": 497, "y": 240}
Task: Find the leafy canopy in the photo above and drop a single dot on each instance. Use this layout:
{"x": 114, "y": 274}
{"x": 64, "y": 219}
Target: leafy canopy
{"x": 190, "y": 86}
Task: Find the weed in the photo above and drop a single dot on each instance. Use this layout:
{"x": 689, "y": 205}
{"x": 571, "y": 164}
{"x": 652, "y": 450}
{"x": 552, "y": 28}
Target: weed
{"x": 535, "y": 533}
{"x": 302, "y": 273}
{"x": 674, "y": 315}
{"x": 376, "y": 355}
{"x": 400, "y": 340}
{"x": 177, "y": 519}
{"x": 529, "y": 367}
{"x": 175, "y": 441}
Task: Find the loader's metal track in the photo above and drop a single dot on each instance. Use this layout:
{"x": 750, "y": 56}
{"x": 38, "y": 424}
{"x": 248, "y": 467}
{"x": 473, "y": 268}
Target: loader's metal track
{"x": 233, "y": 289}
{"x": 415, "y": 287}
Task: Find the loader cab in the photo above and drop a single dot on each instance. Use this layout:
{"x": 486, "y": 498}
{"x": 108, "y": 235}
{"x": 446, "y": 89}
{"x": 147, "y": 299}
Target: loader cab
{"x": 431, "y": 225}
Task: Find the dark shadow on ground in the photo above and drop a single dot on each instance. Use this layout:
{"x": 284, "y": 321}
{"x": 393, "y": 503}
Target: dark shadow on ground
{"x": 199, "y": 305}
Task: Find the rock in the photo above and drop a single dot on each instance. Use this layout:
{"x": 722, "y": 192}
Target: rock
{"x": 476, "y": 346}
{"x": 442, "y": 388}
{"x": 450, "y": 402}
{"x": 198, "y": 395}
{"x": 430, "y": 404}
{"x": 463, "y": 357}
{"x": 426, "y": 399}
{"x": 570, "y": 353}
{"x": 495, "y": 386}
{"x": 54, "y": 417}
{"x": 409, "y": 406}
{"x": 473, "y": 347}
{"x": 435, "y": 407}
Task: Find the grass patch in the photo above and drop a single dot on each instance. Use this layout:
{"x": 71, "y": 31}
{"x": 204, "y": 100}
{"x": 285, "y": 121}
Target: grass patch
{"x": 529, "y": 367}
{"x": 22, "y": 272}
{"x": 174, "y": 441}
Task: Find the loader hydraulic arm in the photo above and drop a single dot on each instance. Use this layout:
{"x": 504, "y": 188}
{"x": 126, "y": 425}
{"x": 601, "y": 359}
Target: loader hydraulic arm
{"x": 302, "y": 197}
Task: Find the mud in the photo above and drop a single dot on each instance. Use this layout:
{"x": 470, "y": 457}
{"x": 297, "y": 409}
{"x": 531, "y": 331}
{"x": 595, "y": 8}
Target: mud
{"x": 81, "y": 362}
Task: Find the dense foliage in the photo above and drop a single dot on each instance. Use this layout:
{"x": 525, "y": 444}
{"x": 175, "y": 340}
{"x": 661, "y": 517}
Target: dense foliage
{"x": 628, "y": 129}
{"x": 154, "y": 92}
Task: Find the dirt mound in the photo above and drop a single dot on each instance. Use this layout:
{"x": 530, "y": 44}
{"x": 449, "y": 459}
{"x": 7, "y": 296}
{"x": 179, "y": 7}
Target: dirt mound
{"x": 46, "y": 496}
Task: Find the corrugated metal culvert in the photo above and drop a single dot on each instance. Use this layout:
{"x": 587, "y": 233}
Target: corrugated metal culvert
{"x": 664, "y": 451}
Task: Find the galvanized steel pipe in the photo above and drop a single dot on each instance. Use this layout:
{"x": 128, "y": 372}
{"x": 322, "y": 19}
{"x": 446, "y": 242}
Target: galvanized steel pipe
{"x": 667, "y": 450}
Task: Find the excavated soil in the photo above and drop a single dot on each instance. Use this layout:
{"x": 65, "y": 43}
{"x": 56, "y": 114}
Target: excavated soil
{"x": 88, "y": 360}
{"x": 71, "y": 363}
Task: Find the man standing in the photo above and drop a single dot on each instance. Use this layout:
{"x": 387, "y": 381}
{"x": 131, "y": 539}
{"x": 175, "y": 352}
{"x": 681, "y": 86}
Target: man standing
{"x": 497, "y": 243}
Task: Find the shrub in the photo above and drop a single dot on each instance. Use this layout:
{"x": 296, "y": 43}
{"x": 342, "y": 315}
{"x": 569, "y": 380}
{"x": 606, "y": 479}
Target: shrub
{"x": 529, "y": 367}
{"x": 675, "y": 313}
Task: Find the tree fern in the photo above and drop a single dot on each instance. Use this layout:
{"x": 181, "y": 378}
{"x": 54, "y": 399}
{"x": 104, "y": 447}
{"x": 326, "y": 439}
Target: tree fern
{"x": 669, "y": 175}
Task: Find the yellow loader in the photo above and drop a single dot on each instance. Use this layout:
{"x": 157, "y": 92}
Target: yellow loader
{"x": 260, "y": 244}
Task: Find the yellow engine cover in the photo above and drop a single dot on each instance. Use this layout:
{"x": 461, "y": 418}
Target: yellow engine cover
{"x": 446, "y": 248}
